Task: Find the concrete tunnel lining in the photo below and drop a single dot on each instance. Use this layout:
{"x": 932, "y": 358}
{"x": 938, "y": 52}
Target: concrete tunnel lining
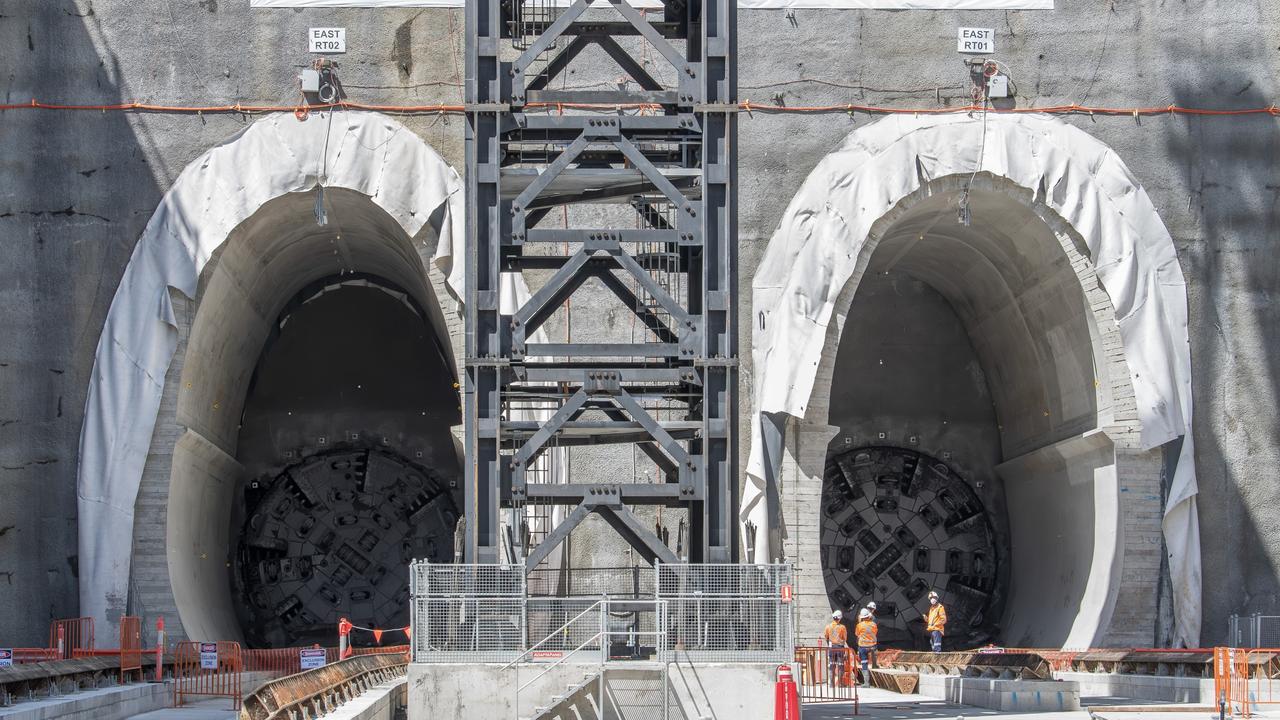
{"x": 271, "y": 257}
{"x": 126, "y": 441}
{"x": 1016, "y": 296}
{"x": 820, "y": 251}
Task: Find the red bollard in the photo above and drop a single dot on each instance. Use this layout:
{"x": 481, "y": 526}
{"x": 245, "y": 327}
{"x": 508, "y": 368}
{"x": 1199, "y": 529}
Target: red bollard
{"x": 786, "y": 699}
{"x": 160, "y": 649}
{"x": 344, "y": 642}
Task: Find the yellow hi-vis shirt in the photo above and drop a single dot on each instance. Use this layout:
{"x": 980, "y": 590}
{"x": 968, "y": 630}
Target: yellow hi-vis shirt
{"x": 937, "y": 618}
{"x": 866, "y": 632}
{"x": 837, "y": 635}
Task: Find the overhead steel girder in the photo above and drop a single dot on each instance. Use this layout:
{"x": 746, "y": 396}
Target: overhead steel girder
{"x": 677, "y": 168}
{"x": 606, "y": 503}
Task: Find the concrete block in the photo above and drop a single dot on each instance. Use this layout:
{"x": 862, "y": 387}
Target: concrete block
{"x": 1006, "y": 695}
{"x": 1142, "y": 687}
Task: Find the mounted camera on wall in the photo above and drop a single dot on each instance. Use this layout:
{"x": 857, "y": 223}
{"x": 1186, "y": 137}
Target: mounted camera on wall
{"x": 988, "y": 80}
{"x": 319, "y": 83}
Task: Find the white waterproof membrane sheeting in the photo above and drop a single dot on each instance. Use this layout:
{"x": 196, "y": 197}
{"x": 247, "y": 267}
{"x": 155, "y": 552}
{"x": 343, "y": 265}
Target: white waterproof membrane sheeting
{"x": 743, "y": 4}
{"x": 820, "y": 241}
{"x": 368, "y": 153}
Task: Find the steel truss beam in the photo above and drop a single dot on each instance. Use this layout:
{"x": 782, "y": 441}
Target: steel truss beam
{"x": 673, "y": 161}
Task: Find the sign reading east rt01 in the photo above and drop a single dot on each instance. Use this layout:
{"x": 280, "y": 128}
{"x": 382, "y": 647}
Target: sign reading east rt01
{"x": 976, "y": 41}
{"x": 327, "y": 40}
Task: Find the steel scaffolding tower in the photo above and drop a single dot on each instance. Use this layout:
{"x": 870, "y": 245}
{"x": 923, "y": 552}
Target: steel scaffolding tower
{"x": 664, "y": 143}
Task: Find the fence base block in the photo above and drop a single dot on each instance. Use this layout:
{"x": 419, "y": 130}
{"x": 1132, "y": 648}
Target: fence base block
{"x": 1009, "y": 695}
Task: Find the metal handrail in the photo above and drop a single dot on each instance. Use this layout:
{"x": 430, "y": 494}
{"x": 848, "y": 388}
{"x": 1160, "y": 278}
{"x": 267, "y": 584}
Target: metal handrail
{"x": 555, "y": 632}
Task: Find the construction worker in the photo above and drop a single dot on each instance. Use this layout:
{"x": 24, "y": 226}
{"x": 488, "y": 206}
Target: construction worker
{"x": 866, "y": 631}
{"x": 937, "y": 622}
{"x": 837, "y": 639}
{"x": 872, "y": 607}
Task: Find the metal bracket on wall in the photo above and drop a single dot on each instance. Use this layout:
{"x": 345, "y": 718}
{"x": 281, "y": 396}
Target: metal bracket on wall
{"x": 663, "y": 143}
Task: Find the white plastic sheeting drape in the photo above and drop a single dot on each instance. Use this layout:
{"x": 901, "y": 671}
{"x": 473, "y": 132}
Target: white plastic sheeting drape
{"x": 813, "y": 254}
{"x": 744, "y": 4}
{"x": 278, "y": 154}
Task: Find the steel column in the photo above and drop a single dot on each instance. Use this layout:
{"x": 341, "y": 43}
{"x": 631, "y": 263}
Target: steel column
{"x": 665, "y": 145}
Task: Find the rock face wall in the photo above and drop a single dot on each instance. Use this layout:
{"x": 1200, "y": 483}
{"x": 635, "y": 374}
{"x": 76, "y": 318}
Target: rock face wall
{"x": 78, "y": 188}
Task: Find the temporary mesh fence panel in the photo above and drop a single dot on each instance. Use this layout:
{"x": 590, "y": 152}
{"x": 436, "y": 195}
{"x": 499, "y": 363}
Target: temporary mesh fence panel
{"x": 727, "y": 613}
{"x": 1254, "y": 631}
{"x": 708, "y": 613}
{"x": 467, "y": 613}
{"x": 558, "y": 625}
{"x": 621, "y": 582}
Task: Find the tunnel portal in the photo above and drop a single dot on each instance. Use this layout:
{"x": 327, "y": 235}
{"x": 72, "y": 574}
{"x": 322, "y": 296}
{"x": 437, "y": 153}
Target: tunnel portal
{"x": 896, "y": 524}
{"x": 330, "y": 537}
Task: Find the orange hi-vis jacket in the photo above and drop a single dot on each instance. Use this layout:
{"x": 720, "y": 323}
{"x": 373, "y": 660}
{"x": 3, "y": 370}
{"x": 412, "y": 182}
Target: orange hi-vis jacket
{"x": 866, "y": 632}
{"x": 836, "y": 634}
{"x": 937, "y": 618}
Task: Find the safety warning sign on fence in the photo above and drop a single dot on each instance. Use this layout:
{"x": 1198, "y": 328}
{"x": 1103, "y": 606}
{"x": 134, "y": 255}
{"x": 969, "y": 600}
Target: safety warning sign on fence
{"x": 6, "y": 657}
{"x": 208, "y": 656}
{"x": 311, "y": 658}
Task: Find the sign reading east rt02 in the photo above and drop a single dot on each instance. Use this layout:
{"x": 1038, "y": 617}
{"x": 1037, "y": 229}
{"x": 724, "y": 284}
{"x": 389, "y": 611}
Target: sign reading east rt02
{"x": 327, "y": 40}
{"x": 976, "y": 41}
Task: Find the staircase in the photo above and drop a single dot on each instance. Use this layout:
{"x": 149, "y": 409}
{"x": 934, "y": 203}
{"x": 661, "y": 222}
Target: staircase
{"x": 630, "y": 693}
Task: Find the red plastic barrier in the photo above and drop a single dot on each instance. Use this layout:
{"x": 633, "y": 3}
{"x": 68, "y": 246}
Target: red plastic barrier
{"x": 71, "y": 634}
{"x": 34, "y": 655}
{"x": 213, "y": 669}
{"x": 130, "y": 647}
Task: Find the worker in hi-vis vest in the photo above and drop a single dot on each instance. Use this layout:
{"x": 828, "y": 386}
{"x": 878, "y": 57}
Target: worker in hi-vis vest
{"x": 836, "y": 636}
{"x": 866, "y": 632}
{"x": 937, "y": 622}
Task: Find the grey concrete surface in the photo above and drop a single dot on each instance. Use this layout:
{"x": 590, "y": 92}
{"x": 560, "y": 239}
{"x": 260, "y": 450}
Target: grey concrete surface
{"x": 1142, "y": 687}
{"x": 200, "y": 710}
{"x": 632, "y": 691}
{"x": 885, "y": 705}
{"x": 111, "y": 703}
{"x": 78, "y": 187}
{"x": 377, "y": 703}
{"x": 1037, "y": 696}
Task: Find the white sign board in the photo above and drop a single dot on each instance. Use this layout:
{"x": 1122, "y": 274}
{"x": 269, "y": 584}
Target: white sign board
{"x": 742, "y": 4}
{"x": 6, "y": 657}
{"x": 311, "y": 658}
{"x": 327, "y": 40}
{"x": 208, "y": 656}
{"x": 976, "y": 41}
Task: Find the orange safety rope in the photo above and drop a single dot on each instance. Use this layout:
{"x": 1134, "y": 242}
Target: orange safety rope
{"x": 746, "y": 105}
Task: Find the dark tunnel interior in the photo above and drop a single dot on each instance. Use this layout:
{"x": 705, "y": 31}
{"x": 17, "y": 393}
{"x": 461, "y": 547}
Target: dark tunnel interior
{"x": 351, "y": 465}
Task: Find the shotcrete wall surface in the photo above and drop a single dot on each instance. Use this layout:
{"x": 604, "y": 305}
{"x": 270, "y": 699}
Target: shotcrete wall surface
{"x": 79, "y": 187}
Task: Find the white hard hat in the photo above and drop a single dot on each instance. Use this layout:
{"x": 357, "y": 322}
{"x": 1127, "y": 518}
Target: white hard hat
{"x": 837, "y": 614}
{"x": 933, "y": 593}
{"x": 864, "y": 614}
{"x": 871, "y": 605}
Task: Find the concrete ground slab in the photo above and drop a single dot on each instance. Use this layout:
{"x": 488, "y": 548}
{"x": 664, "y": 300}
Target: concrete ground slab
{"x": 211, "y": 709}
{"x": 876, "y": 704}
{"x": 109, "y": 703}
